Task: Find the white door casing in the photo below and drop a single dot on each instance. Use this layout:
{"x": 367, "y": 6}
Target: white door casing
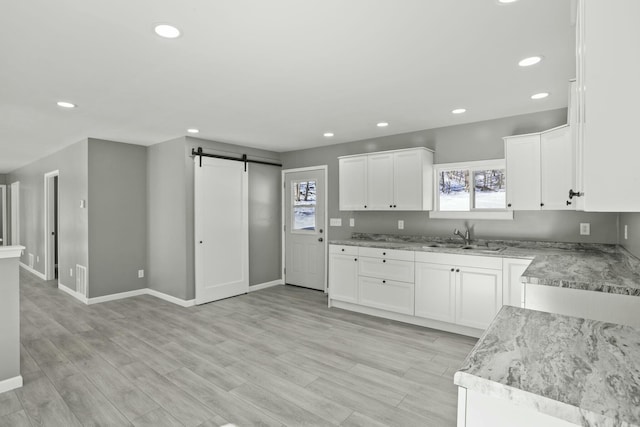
{"x": 15, "y": 213}
{"x": 49, "y": 225}
{"x": 221, "y": 229}
{"x": 304, "y": 227}
{"x": 3, "y": 214}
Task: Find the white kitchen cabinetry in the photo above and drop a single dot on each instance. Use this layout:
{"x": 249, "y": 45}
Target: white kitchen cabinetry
{"x": 512, "y": 288}
{"x": 435, "y": 292}
{"x": 343, "y": 273}
{"x": 474, "y": 287}
{"x": 393, "y": 180}
{"x": 540, "y": 170}
{"x": 386, "y": 280}
{"x": 353, "y": 183}
{"x": 607, "y": 96}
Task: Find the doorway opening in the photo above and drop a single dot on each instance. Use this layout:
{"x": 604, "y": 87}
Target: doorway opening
{"x": 3, "y": 215}
{"x": 51, "y": 224}
{"x": 304, "y": 217}
{"x": 15, "y": 212}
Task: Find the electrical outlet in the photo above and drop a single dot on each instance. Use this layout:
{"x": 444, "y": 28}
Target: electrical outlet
{"x": 37, "y": 258}
{"x": 335, "y": 222}
{"x": 352, "y": 222}
{"x": 626, "y": 232}
{"x": 71, "y": 272}
{"x": 140, "y": 274}
{"x": 585, "y": 228}
{"x": 400, "y": 224}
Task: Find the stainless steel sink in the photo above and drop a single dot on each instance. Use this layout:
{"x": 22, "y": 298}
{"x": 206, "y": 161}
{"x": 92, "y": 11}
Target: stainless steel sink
{"x": 481, "y": 248}
{"x": 443, "y": 245}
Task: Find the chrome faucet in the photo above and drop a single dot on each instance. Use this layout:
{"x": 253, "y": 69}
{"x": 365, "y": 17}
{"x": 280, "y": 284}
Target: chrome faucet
{"x": 466, "y": 236}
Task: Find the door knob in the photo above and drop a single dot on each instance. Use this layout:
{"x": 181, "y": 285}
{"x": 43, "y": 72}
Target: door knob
{"x": 320, "y": 239}
{"x": 320, "y": 231}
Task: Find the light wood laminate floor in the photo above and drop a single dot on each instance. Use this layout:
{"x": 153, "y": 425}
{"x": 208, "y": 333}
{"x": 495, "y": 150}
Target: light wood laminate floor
{"x": 273, "y": 357}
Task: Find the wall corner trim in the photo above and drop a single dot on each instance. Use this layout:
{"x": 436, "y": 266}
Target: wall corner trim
{"x": 33, "y": 271}
{"x": 266, "y": 285}
{"x": 172, "y": 299}
{"x": 11, "y": 384}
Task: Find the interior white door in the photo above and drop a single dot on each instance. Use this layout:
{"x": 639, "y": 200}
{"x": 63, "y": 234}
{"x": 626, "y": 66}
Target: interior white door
{"x": 15, "y": 213}
{"x": 305, "y": 246}
{"x": 3, "y": 215}
{"x": 221, "y": 229}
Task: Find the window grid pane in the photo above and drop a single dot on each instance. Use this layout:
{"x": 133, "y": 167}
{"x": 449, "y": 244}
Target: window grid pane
{"x": 454, "y": 190}
{"x": 489, "y": 189}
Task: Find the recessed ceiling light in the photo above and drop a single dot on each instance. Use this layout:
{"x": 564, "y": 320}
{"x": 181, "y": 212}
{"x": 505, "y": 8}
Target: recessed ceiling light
{"x": 459, "y": 111}
{"x": 65, "y": 104}
{"x": 506, "y": 1}
{"x": 540, "y": 95}
{"x": 167, "y": 31}
{"x": 193, "y": 130}
{"x": 532, "y": 60}
{"x": 382, "y": 124}
{"x": 328, "y": 134}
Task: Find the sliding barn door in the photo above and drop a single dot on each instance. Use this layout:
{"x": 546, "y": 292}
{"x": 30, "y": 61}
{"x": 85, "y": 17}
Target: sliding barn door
{"x": 221, "y": 229}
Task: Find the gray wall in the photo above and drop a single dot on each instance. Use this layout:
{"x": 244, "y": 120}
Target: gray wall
{"x": 117, "y": 209}
{"x": 632, "y": 220}
{"x": 73, "y": 226}
{"x": 474, "y": 141}
{"x": 171, "y": 225}
{"x": 9, "y": 319}
{"x": 3, "y": 179}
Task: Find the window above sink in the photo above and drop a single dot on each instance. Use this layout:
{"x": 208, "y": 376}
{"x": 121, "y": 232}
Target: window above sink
{"x": 471, "y": 190}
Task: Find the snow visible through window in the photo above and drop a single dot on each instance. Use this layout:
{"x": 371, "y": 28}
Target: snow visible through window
{"x": 304, "y": 205}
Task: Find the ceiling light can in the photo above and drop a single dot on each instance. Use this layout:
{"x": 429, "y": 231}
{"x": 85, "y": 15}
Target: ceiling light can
{"x": 193, "y": 130}
{"x": 540, "y": 95}
{"x": 459, "y": 111}
{"x": 167, "y": 31}
{"x": 66, "y": 104}
{"x": 328, "y": 134}
{"x": 382, "y": 124}
{"x": 532, "y": 60}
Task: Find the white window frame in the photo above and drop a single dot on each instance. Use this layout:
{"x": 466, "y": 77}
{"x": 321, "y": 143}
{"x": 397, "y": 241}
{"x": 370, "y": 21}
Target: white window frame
{"x": 473, "y": 213}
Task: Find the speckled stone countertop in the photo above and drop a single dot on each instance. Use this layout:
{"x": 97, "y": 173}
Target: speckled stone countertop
{"x": 591, "y": 267}
{"x": 583, "y": 371}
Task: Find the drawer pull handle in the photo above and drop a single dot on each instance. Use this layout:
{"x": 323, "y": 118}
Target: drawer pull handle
{"x": 342, "y": 249}
{"x": 452, "y": 269}
{"x": 384, "y": 253}
{"x": 457, "y": 270}
{"x": 384, "y": 260}
{"x": 384, "y": 281}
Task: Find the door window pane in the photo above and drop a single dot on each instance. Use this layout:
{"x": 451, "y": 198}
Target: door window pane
{"x": 489, "y": 186}
{"x": 454, "y": 190}
{"x": 304, "y": 205}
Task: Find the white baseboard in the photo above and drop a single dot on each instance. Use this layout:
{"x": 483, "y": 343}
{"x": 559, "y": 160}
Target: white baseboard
{"x": 172, "y": 299}
{"x": 33, "y": 271}
{"x": 11, "y": 384}
{"x": 73, "y": 293}
{"x": 266, "y": 285}
{"x": 113, "y": 297}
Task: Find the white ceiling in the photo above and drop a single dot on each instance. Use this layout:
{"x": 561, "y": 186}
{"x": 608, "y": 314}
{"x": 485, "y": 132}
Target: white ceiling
{"x": 271, "y": 74}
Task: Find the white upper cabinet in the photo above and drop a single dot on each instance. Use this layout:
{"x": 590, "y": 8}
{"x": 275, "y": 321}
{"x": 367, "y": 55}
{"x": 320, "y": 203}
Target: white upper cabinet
{"x": 540, "y": 170}
{"x": 380, "y": 181}
{"x": 387, "y": 180}
{"x": 353, "y": 183}
{"x": 522, "y": 154}
{"x": 608, "y": 89}
{"x": 556, "y": 169}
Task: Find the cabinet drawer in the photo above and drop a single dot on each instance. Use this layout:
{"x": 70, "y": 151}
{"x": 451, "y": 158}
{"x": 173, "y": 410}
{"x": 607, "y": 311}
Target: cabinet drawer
{"x": 387, "y": 254}
{"x": 386, "y": 294}
{"x": 343, "y": 249}
{"x": 388, "y": 269}
{"x": 460, "y": 260}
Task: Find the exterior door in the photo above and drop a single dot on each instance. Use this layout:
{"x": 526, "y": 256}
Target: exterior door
{"x": 304, "y": 228}
{"x": 221, "y": 229}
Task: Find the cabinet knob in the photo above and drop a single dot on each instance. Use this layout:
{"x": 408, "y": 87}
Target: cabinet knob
{"x": 384, "y": 281}
{"x": 365, "y": 206}
{"x": 384, "y": 260}
{"x": 384, "y": 253}
{"x": 457, "y": 270}
{"x": 541, "y": 204}
{"x": 394, "y": 206}
{"x": 355, "y": 259}
{"x": 509, "y": 205}
{"x": 568, "y": 203}
{"x": 342, "y": 249}
{"x": 390, "y": 206}
{"x": 452, "y": 269}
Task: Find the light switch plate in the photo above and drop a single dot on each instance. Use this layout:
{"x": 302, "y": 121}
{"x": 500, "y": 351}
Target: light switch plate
{"x": 335, "y": 222}
{"x": 585, "y": 228}
{"x": 400, "y": 224}
{"x": 626, "y": 232}
{"x": 140, "y": 274}
{"x": 352, "y": 222}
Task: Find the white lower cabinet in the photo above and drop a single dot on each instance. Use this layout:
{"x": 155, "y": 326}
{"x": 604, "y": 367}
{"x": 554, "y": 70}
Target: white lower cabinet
{"x": 478, "y": 296}
{"x": 435, "y": 294}
{"x": 343, "y": 273}
{"x": 386, "y": 294}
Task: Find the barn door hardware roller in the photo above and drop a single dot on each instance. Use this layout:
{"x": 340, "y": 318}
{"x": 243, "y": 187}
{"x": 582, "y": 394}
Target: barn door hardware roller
{"x": 243, "y": 159}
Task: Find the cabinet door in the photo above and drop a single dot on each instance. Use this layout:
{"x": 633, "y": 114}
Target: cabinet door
{"x": 610, "y": 87}
{"x": 386, "y": 294}
{"x": 408, "y": 167}
{"x": 435, "y": 292}
{"x": 512, "y": 288}
{"x": 380, "y": 181}
{"x": 556, "y": 169}
{"x": 353, "y": 183}
{"x": 343, "y": 277}
{"x": 523, "y": 172}
{"x": 478, "y": 296}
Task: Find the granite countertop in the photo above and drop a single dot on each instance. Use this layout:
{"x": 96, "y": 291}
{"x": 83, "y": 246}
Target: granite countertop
{"x": 592, "y": 267}
{"x": 583, "y": 371}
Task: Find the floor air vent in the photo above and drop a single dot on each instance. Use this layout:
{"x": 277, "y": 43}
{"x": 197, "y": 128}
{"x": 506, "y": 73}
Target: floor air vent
{"x": 81, "y": 280}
